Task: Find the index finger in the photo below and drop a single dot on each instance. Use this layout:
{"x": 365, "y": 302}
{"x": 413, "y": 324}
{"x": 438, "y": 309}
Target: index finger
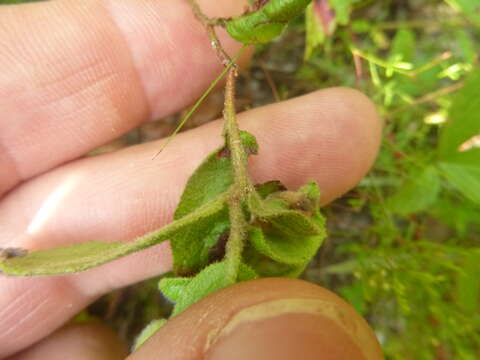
{"x": 77, "y": 74}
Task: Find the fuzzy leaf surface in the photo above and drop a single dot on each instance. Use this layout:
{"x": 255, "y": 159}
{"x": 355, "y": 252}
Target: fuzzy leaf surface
{"x": 288, "y": 226}
{"x": 212, "y": 178}
{"x": 206, "y": 282}
{"x": 267, "y": 23}
{"x": 267, "y": 267}
{"x": 173, "y": 287}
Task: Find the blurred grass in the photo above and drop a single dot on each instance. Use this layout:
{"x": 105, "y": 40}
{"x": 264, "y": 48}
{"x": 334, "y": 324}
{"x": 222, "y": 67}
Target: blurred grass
{"x": 404, "y": 245}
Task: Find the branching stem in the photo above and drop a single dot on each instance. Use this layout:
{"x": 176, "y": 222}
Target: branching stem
{"x": 209, "y": 25}
{"x": 242, "y": 185}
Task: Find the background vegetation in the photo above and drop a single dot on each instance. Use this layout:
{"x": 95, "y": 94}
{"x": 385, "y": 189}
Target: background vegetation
{"x": 404, "y": 246}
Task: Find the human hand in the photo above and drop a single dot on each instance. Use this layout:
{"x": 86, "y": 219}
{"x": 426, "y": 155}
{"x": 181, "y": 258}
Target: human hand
{"x": 76, "y": 75}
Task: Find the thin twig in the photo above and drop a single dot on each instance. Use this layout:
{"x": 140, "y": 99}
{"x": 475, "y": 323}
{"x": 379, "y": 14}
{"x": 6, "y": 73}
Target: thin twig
{"x": 209, "y": 25}
{"x": 271, "y": 83}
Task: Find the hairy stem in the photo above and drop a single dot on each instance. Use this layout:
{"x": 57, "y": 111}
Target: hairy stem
{"x": 232, "y": 134}
{"x": 236, "y": 239}
{"x": 242, "y": 184}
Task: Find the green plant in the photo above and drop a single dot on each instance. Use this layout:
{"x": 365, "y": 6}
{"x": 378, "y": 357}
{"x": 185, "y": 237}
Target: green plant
{"x": 404, "y": 259}
{"x": 405, "y": 240}
{"x": 225, "y": 228}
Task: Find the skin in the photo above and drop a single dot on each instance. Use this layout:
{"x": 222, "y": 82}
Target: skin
{"x": 83, "y": 73}
{"x": 266, "y": 319}
{"x": 83, "y": 341}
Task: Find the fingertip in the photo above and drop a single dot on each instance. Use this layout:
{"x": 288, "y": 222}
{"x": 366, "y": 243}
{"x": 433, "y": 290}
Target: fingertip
{"x": 332, "y": 135}
{"x": 71, "y": 63}
{"x": 266, "y": 319}
{"x": 359, "y": 136}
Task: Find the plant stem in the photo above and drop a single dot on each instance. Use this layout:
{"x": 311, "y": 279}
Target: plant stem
{"x": 236, "y": 239}
{"x": 209, "y": 25}
{"x": 232, "y": 135}
{"x": 242, "y": 184}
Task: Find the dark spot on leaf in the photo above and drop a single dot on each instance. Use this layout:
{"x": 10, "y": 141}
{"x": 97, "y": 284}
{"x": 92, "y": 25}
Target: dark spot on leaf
{"x": 9, "y": 253}
{"x": 295, "y": 200}
{"x": 217, "y": 252}
{"x": 224, "y": 153}
{"x": 185, "y": 272}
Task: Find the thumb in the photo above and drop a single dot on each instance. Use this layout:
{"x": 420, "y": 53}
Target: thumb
{"x": 265, "y": 319}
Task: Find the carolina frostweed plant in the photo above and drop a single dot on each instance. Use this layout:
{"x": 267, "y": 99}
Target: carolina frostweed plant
{"x": 225, "y": 228}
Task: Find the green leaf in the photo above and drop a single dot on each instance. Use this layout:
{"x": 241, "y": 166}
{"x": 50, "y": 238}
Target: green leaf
{"x": 462, "y": 170}
{"x": 249, "y": 142}
{"x": 288, "y": 212}
{"x": 213, "y": 177}
{"x": 460, "y": 215}
{"x": 355, "y": 296}
{"x": 286, "y": 249}
{"x": 471, "y": 9}
{"x": 287, "y": 226}
{"x": 287, "y": 230}
{"x": 267, "y": 23}
{"x": 209, "y": 280}
{"x": 246, "y": 273}
{"x": 191, "y": 247}
{"x": 403, "y": 46}
{"x": 464, "y": 117}
{"x": 206, "y": 282}
{"x": 311, "y": 191}
{"x": 267, "y": 267}
{"x": 468, "y": 284}
{"x": 149, "y": 330}
{"x": 467, "y": 45}
{"x": 342, "y": 9}
{"x": 418, "y": 193}
{"x": 172, "y": 288}
{"x": 314, "y": 32}
{"x": 79, "y": 257}
{"x": 269, "y": 187}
